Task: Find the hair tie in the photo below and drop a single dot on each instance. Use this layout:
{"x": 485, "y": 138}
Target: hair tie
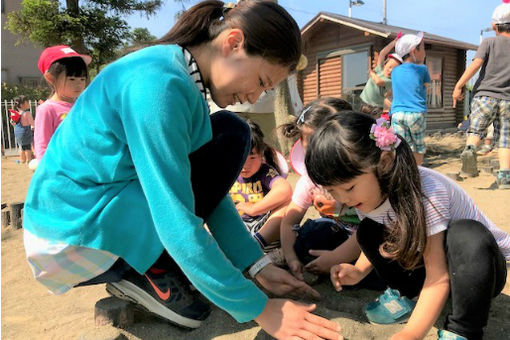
{"x": 227, "y": 6}
{"x": 301, "y": 118}
{"x": 385, "y": 138}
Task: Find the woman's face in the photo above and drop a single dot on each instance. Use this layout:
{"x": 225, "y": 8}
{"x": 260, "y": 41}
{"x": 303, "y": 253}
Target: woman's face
{"x": 252, "y": 164}
{"x": 236, "y": 77}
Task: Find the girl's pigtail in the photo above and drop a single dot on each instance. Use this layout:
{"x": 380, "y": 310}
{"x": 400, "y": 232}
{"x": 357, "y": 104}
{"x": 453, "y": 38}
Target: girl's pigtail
{"x": 271, "y": 158}
{"x": 407, "y": 238}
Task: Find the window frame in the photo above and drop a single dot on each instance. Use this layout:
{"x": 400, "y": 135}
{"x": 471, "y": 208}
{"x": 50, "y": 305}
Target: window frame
{"x": 429, "y": 87}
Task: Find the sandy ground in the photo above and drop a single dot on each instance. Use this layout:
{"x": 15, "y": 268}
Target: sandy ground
{"x": 30, "y": 312}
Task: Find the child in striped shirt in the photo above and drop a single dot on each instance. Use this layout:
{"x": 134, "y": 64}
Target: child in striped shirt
{"x": 419, "y": 230}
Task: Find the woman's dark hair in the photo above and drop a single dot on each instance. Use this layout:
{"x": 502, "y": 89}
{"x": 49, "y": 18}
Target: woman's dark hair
{"x": 19, "y": 100}
{"x": 313, "y": 114}
{"x": 270, "y": 32}
{"x": 258, "y": 144}
{"x": 341, "y": 149}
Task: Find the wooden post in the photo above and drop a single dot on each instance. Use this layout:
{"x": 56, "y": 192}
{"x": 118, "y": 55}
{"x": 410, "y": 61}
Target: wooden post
{"x": 6, "y": 218}
{"x": 114, "y": 311}
{"x": 16, "y": 219}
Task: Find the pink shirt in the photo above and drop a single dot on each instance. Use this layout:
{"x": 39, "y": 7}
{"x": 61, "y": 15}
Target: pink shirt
{"x": 305, "y": 191}
{"x": 48, "y": 117}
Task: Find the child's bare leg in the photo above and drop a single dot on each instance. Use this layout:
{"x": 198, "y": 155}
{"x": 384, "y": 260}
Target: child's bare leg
{"x": 28, "y": 155}
{"x": 22, "y": 157}
{"x": 504, "y": 158}
{"x": 270, "y": 231}
{"x": 473, "y": 140}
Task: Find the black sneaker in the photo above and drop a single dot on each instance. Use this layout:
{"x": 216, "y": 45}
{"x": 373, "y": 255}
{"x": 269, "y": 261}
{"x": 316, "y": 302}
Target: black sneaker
{"x": 165, "y": 293}
{"x": 468, "y": 158}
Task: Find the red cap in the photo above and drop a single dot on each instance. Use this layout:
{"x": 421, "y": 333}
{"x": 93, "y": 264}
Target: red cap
{"x": 54, "y": 53}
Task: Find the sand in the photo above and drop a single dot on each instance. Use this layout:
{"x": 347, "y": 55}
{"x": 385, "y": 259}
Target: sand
{"x": 29, "y": 311}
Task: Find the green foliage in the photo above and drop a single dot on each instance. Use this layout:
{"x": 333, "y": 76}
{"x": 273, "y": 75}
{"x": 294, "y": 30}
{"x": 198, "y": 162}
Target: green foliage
{"x": 96, "y": 28}
{"x": 33, "y": 93}
{"x": 140, "y": 36}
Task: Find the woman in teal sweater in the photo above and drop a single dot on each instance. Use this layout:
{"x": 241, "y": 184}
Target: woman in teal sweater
{"x": 138, "y": 166}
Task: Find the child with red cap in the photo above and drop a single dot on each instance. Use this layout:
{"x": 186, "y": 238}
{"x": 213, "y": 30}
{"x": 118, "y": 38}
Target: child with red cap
{"x": 66, "y": 73}
{"x": 491, "y": 96}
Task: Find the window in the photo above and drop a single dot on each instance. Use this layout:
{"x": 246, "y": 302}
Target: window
{"x": 354, "y": 76}
{"x": 435, "y": 89}
{"x": 354, "y": 71}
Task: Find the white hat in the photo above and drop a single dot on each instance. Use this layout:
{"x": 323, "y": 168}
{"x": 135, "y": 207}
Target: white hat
{"x": 501, "y": 14}
{"x": 396, "y": 57}
{"x": 405, "y": 44}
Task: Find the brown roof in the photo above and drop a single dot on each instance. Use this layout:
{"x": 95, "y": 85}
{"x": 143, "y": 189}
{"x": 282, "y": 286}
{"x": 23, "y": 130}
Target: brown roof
{"x": 386, "y": 31}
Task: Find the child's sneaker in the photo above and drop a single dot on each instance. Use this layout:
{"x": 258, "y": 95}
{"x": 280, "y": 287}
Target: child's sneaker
{"x": 165, "y": 293}
{"x": 447, "y": 335}
{"x": 503, "y": 179}
{"x": 468, "y": 158}
{"x": 389, "y": 308}
{"x": 483, "y": 150}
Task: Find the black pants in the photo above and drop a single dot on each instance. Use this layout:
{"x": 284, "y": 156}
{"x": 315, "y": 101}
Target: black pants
{"x": 476, "y": 267}
{"x": 214, "y": 169}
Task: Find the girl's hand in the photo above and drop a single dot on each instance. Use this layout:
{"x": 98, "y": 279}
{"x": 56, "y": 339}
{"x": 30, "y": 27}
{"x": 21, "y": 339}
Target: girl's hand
{"x": 457, "y": 96}
{"x": 344, "y": 274}
{"x": 296, "y": 268}
{"x": 403, "y": 335}
{"x": 281, "y": 282}
{"x": 323, "y": 263}
{"x": 286, "y": 319}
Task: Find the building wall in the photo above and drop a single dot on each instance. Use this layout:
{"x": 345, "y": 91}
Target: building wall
{"x": 324, "y": 77}
{"x": 19, "y": 63}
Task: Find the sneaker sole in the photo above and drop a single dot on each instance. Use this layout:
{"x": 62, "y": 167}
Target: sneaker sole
{"x": 128, "y": 291}
{"x": 389, "y": 324}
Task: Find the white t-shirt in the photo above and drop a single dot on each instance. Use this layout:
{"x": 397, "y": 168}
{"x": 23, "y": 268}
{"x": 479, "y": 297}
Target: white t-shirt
{"x": 446, "y": 202}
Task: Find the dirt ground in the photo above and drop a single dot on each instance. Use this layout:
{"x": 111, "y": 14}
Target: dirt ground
{"x": 29, "y": 311}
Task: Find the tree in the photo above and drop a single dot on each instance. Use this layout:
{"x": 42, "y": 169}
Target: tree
{"x": 95, "y": 27}
{"x": 140, "y": 36}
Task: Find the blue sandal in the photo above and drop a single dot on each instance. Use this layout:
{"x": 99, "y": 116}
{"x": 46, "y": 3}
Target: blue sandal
{"x": 389, "y": 308}
{"x": 447, "y": 335}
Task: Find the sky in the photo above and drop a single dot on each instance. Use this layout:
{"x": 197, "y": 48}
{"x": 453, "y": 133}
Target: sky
{"x": 456, "y": 19}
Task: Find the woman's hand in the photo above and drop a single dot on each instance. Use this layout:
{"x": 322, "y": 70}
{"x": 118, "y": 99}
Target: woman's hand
{"x": 345, "y": 274}
{"x": 281, "y": 282}
{"x": 323, "y": 263}
{"x": 286, "y": 319}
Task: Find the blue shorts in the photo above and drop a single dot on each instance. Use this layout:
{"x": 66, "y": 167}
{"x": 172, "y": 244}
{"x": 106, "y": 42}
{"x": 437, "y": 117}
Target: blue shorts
{"x": 487, "y": 110}
{"x": 411, "y": 126}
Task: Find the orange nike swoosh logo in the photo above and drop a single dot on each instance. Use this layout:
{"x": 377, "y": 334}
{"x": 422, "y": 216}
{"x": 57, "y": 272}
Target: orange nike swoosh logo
{"x": 162, "y": 295}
